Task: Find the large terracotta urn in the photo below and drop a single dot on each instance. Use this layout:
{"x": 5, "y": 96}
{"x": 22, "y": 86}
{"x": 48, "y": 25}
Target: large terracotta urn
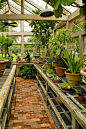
{"x": 3, "y": 63}
{"x": 83, "y": 73}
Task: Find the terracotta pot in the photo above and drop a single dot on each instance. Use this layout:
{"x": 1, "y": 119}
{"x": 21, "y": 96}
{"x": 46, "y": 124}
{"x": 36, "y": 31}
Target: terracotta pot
{"x": 18, "y": 59}
{"x": 35, "y": 62}
{"x": 21, "y": 61}
{"x": 60, "y": 71}
{"x": 73, "y": 78}
{"x": 56, "y": 81}
{"x": 49, "y": 65}
{"x": 27, "y": 60}
{"x": 83, "y": 73}
{"x": 3, "y": 63}
{"x": 80, "y": 98}
{"x": 59, "y": 101}
{"x": 36, "y": 57}
{"x": 66, "y": 90}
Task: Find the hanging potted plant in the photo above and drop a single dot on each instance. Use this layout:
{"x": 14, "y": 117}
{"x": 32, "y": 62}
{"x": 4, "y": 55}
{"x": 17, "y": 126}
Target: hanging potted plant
{"x": 74, "y": 65}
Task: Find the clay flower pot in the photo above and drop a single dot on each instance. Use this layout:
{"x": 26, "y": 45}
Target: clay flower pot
{"x": 66, "y": 90}
{"x": 3, "y": 63}
{"x": 83, "y": 73}
{"x": 36, "y": 57}
{"x": 80, "y": 98}
{"x": 73, "y": 78}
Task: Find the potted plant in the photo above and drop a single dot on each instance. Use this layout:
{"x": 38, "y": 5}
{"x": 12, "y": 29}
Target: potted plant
{"x": 10, "y": 59}
{"x": 40, "y": 61}
{"x": 49, "y": 72}
{"x": 57, "y": 47}
{"x": 80, "y": 95}
{"x": 83, "y": 73}
{"x": 49, "y": 62}
{"x": 16, "y": 51}
{"x": 66, "y": 87}
{"x": 56, "y": 79}
{"x": 74, "y": 65}
{"x": 27, "y": 57}
{"x": 3, "y": 63}
{"x": 44, "y": 67}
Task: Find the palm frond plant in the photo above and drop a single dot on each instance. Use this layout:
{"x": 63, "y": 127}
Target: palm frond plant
{"x": 74, "y": 66}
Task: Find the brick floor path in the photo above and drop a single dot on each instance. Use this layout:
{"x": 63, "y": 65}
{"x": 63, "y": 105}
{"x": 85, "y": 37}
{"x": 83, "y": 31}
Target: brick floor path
{"x": 29, "y": 111}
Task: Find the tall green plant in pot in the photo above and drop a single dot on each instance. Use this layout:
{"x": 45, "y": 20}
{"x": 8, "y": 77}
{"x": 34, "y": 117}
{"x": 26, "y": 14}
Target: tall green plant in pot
{"x": 74, "y": 66}
{"x": 57, "y": 47}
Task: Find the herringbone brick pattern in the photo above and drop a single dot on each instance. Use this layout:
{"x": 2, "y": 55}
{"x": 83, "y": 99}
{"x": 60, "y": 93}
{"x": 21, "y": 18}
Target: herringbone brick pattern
{"x": 29, "y": 111}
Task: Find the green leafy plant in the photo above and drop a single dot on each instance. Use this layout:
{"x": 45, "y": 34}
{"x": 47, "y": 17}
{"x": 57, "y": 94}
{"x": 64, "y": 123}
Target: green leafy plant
{"x": 49, "y": 60}
{"x": 58, "y": 9}
{"x": 66, "y": 85}
{"x": 74, "y": 63}
{"x": 39, "y": 61}
{"x": 27, "y": 72}
{"x": 56, "y": 78}
{"x": 57, "y": 44}
{"x": 49, "y": 71}
{"x": 42, "y": 28}
{"x": 15, "y": 50}
{"x": 79, "y": 92}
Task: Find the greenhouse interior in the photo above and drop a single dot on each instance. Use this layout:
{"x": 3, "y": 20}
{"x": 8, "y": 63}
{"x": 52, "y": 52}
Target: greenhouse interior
{"x": 42, "y": 64}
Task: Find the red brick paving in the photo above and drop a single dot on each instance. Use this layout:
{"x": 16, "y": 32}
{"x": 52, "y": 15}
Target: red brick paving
{"x": 29, "y": 111}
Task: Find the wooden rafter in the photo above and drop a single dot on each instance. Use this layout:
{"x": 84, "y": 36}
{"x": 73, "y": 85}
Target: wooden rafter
{"x": 4, "y": 11}
{"x": 78, "y": 3}
{"x": 74, "y": 15}
{"x": 31, "y": 17}
{"x": 17, "y": 33}
{"x": 27, "y": 8}
{"x": 22, "y": 6}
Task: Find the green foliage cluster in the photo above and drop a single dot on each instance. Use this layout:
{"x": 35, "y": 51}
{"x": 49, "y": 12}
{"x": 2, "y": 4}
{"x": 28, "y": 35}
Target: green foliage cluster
{"x": 57, "y": 5}
{"x": 3, "y": 3}
{"x": 49, "y": 71}
{"x": 42, "y": 28}
{"x": 79, "y": 92}
{"x": 15, "y": 50}
{"x": 28, "y": 72}
{"x": 5, "y": 43}
{"x": 66, "y": 85}
{"x": 57, "y": 45}
{"x": 74, "y": 63}
{"x": 56, "y": 78}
